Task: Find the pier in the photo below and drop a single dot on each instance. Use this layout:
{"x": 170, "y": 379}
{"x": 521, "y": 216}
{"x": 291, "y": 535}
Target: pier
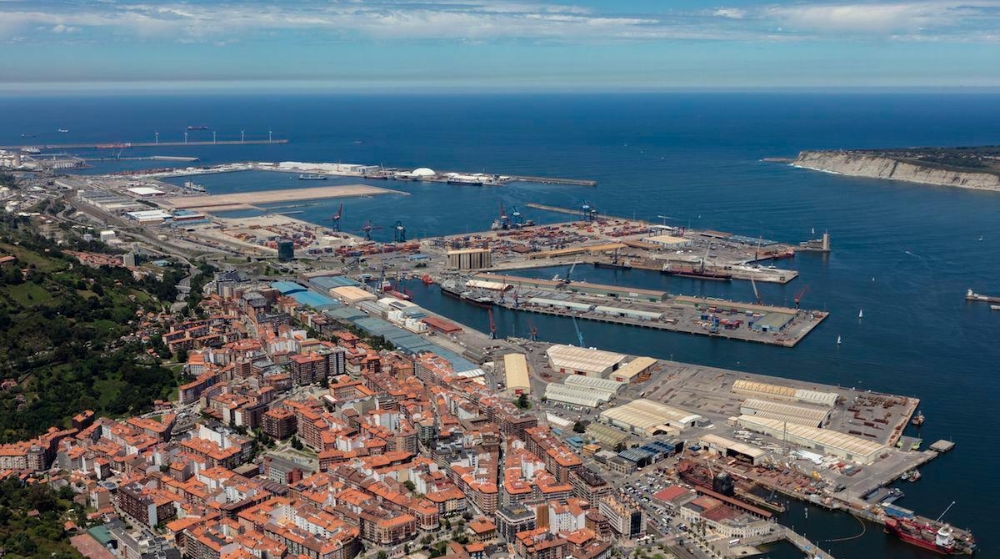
{"x": 245, "y": 200}
{"x": 549, "y": 180}
{"x": 126, "y": 145}
{"x": 973, "y": 296}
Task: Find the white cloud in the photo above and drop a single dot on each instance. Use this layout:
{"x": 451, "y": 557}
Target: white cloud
{"x": 731, "y": 13}
{"x": 476, "y": 21}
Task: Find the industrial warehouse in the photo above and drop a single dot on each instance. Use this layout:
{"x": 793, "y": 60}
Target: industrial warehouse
{"x": 847, "y": 447}
{"x": 648, "y": 418}
{"x": 515, "y": 368}
{"x": 582, "y": 361}
{"x": 583, "y": 391}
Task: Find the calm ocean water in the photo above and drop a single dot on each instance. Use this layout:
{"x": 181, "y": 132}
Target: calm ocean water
{"x": 904, "y": 253}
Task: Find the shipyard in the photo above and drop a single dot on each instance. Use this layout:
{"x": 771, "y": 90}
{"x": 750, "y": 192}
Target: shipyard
{"x": 677, "y": 445}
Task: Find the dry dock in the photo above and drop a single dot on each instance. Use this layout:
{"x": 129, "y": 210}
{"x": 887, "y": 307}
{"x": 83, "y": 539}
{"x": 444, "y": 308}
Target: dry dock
{"x": 249, "y": 199}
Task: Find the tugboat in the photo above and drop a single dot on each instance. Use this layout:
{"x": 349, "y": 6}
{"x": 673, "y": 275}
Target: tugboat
{"x": 918, "y": 419}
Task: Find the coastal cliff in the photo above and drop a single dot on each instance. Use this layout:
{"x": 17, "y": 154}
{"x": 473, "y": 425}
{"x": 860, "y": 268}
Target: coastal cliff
{"x": 860, "y": 164}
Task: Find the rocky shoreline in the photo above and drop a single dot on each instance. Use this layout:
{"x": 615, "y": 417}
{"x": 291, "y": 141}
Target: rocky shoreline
{"x": 867, "y": 164}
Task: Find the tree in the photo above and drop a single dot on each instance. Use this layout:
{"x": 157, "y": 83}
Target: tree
{"x": 410, "y": 486}
{"x": 522, "y": 402}
{"x": 297, "y": 444}
{"x": 181, "y": 355}
{"x": 382, "y": 555}
{"x": 579, "y": 427}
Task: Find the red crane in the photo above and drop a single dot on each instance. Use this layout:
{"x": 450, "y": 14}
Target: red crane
{"x": 368, "y": 228}
{"x": 798, "y": 296}
{"x": 504, "y": 220}
{"x": 336, "y": 217}
{"x": 534, "y": 331}
{"x": 493, "y": 325}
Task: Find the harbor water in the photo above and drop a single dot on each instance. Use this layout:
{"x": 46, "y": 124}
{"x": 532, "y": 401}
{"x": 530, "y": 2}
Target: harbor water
{"x": 904, "y": 253}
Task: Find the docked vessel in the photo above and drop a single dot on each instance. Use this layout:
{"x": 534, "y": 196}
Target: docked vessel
{"x": 918, "y": 419}
{"x": 930, "y": 535}
{"x": 192, "y": 186}
{"x": 197, "y": 127}
{"x": 312, "y": 177}
{"x": 696, "y": 273}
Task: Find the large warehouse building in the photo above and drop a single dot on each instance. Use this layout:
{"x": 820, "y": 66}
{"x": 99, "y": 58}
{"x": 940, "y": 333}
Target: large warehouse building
{"x": 574, "y": 360}
{"x": 647, "y": 418}
{"x": 824, "y": 441}
{"x": 515, "y": 368}
{"x": 754, "y": 389}
{"x": 780, "y": 411}
{"x": 583, "y": 391}
{"x": 638, "y": 370}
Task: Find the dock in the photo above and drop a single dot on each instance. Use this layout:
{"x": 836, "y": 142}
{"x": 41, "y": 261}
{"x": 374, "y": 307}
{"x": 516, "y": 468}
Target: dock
{"x": 973, "y": 296}
{"x": 942, "y": 446}
{"x": 645, "y": 308}
{"x": 553, "y": 209}
{"x": 780, "y": 533}
{"x": 125, "y": 145}
{"x": 248, "y": 200}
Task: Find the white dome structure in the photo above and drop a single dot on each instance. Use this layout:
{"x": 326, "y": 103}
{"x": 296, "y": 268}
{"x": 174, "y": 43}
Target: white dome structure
{"x": 423, "y": 172}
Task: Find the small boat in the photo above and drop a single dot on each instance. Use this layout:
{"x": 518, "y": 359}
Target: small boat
{"x": 861, "y": 314}
{"x": 980, "y": 238}
{"x": 63, "y": 130}
{"x": 912, "y": 476}
{"x": 838, "y": 340}
{"x": 995, "y": 307}
{"x": 192, "y": 186}
{"x": 918, "y": 419}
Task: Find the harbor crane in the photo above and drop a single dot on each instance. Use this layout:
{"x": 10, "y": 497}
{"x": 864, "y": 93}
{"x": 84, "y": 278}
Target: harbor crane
{"x": 579, "y": 334}
{"x": 368, "y": 228}
{"x": 493, "y": 324}
{"x": 504, "y": 219}
{"x": 800, "y": 294}
{"x": 399, "y": 233}
{"x": 516, "y": 219}
{"x": 336, "y": 218}
{"x": 533, "y": 330}
{"x": 756, "y": 293}
{"x": 589, "y": 213}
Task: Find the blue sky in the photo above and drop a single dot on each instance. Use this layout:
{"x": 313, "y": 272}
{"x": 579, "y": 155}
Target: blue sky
{"x": 497, "y": 44}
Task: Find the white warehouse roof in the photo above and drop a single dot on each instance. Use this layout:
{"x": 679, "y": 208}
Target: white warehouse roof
{"x": 488, "y": 285}
{"x": 582, "y": 359}
{"x": 802, "y": 415}
{"x": 822, "y": 440}
{"x": 649, "y": 416}
{"x": 616, "y": 311}
{"x": 576, "y": 395}
{"x": 597, "y": 383}
{"x": 542, "y": 302}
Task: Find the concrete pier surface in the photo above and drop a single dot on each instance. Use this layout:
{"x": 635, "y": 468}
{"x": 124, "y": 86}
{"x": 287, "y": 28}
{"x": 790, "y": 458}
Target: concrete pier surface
{"x": 249, "y": 199}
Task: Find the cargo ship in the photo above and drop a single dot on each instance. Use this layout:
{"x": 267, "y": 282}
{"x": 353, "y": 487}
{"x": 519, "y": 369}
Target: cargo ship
{"x": 696, "y": 273}
{"x": 449, "y": 290}
{"x": 312, "y": 177}
{"x": 931, "y": 535}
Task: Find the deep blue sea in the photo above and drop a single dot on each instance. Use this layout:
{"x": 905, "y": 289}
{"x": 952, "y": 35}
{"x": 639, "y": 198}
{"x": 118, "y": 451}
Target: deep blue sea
{"x": 904, "y": 253}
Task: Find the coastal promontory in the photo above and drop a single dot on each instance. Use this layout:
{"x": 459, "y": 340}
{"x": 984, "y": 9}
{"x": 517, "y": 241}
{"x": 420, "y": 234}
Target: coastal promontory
{"x": 975, "y": 168}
